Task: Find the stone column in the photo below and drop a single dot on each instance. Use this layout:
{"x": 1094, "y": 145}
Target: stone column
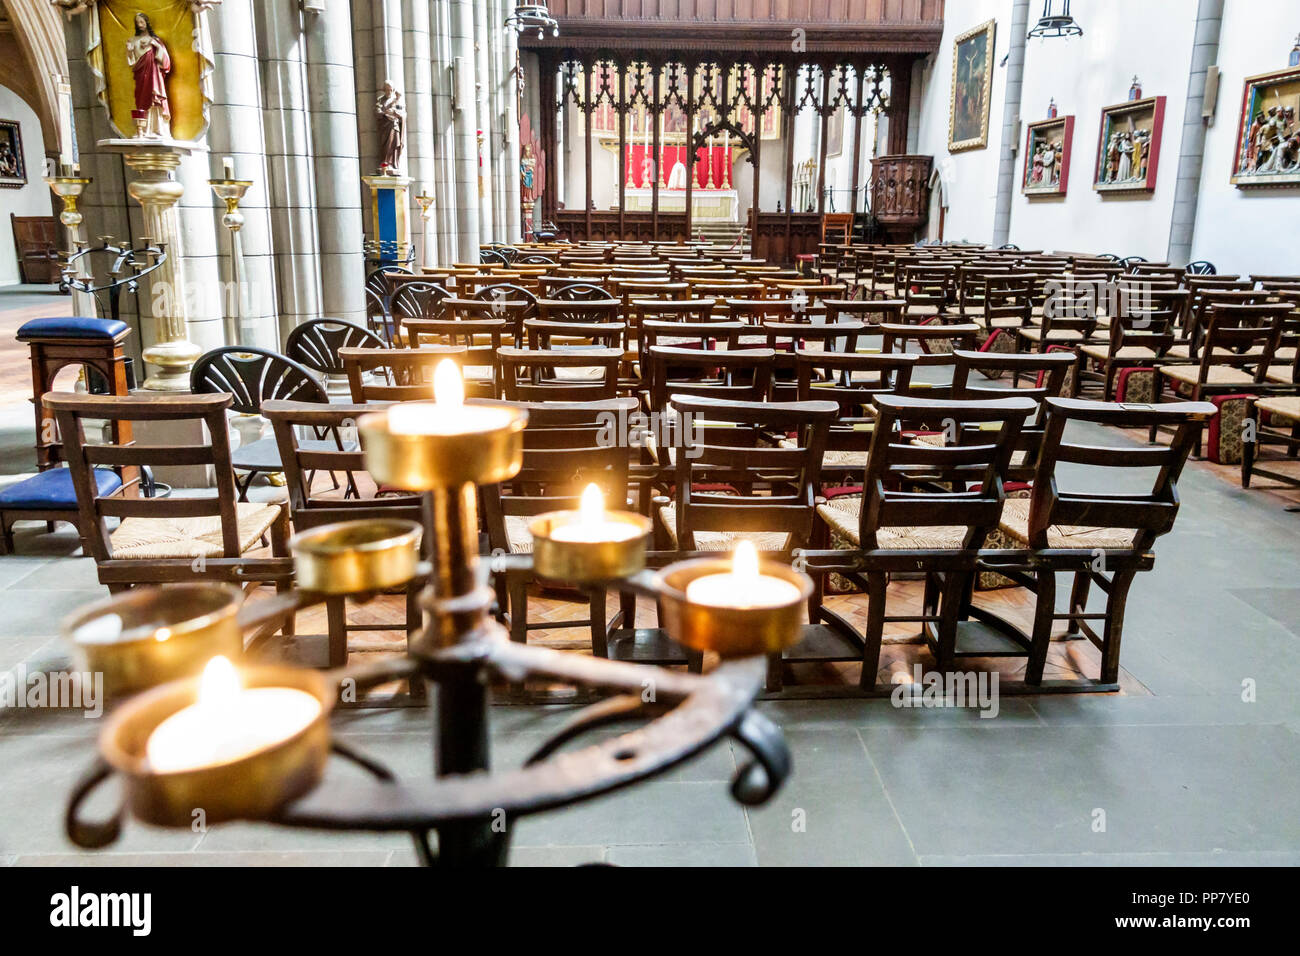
{"x": 495, "y": 127}
{"x": 331, "y": 85}
{"x": 363, "y": 64}
{"x": 1191, "y": 151}
{"x": 418, "y": 53}
{"x": 1010, "y": 122}
{"x": 466, "y": 113}
{"x": 510, "y": 158}
{"x": 156, "y": 190}
{"x": 444, "y": 184}
{"x": 290, "y": 182}
{"x": 237, "y": 132}
{"x": 483, "y": 123}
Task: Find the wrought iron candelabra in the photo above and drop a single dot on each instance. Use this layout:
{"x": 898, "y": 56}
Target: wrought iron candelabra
{"x": 444, "y": 450}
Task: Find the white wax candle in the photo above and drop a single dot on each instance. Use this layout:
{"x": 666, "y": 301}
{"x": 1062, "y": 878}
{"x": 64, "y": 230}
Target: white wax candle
{"x": 228, "y": 722}
{"x": 228, "y": 165}
{"x": 592, "y": 525}
{"x": 447, "y": 414}
{"x": 742, "y": 586}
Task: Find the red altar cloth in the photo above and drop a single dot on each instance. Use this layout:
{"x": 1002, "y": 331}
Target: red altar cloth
{"x": 639, "y": 172}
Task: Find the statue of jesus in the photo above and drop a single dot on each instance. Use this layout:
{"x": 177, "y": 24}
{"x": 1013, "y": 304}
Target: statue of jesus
{"x": 149, "y": 61}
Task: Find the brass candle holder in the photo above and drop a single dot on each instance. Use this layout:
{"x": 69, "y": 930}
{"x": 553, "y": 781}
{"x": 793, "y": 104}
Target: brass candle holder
{"x": 244, "y": 770}
{"x": 252, "y": 787}
{"x": 153, "y": 635}
{"x": 730, "y": 631}
{"x": 425, "y": 461}
{"x": 356, "y": 557}
{"x": 587, "y": 562}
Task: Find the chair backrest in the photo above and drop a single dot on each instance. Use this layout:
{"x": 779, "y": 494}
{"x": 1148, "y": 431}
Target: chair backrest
{"x": 935, "y": 341}
{"x": 737, "y": 374}
{"x": 538, "y": 375}
{"x": 252, "y": 376}
{"x": 576, "y": 292}
{"x": 727, "y": 442}
{"x": 578, "y": 311}
{"x": 566, "y": 448}
{"x": 307, "y": 509}
{"x": 316, "y": 344}
{"x": 851, "y": 380}
{"x": 407, "y": 374}
{"x": 417, "y": 300}
{"x": 1149, "y": 514}
{"x": 71, "y": 411}
{"x": 1242, "y": 336}
{"x": 758, "y": 311}
{"x": 957, "y": 484}
{"x": 513, "y": 312}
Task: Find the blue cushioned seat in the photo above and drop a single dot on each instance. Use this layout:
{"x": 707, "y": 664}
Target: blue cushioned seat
{"x": 52, "y": 490}
{"x": 70, "y": 327}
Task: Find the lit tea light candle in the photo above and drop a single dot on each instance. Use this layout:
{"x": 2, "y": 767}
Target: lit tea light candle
{"x": 593, "y": 525}
{"x": 447, "y": 414}
{"x": 743, "y": 586}
{"x": 228, "y": 722}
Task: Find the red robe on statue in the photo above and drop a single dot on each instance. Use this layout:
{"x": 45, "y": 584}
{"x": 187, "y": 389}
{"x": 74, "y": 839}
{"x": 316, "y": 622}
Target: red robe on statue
{"x": 151, "y": 68}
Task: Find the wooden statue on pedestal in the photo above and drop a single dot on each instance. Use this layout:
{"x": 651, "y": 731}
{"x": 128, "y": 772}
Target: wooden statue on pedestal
{"x": 392, "y": 129}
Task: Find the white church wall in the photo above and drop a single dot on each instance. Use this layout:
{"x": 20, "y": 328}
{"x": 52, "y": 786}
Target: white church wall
{"x": 33, "y": 199}
{"x": 1246, "y": 230}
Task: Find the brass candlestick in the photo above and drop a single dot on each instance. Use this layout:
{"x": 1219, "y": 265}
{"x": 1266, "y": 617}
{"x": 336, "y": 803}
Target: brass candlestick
{"x": 69, "y": 187}
{"x": 425, "y": 202}
{"x": 230, "y": 191}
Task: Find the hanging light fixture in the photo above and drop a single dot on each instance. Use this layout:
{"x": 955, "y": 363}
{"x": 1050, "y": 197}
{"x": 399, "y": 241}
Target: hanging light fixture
{"x": 532, "y": 16}
{"x": 1052, "y": 24}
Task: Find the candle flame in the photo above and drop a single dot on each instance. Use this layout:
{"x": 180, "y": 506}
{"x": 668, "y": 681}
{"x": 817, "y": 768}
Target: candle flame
{"x": 448, "y": 387}
{"x": 219, "y": 685}
{"x": 744, "y": 561}
{"x": 591, "y": 508}
{"x": 162, "y": 634}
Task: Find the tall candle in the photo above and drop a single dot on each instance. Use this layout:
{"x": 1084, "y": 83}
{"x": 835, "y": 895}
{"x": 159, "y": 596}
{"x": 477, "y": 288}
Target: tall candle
{"x": 593, "y": 524}
{"x": 447, "y": 414}
{"x": 228, "y": 722}
{"x": 743, "y": 586}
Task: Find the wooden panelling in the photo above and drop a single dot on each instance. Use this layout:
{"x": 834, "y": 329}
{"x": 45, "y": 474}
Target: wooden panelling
{"x": 724, "y": 11}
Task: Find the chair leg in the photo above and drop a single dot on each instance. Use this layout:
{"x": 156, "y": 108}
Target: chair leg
{"x": 875, "y": 634}
{"x": 1078, "y": 599}
{"x": 1119, "y": 586}
{"x": 1041, "y": 640}
{"x": 627, "y": 609}
{"x": 599, "y": 633}
{"x": 337, "y": 626}
{"x": 6, "y": 535}
{"x": 518, "y": 589}
{"x": 414, "y": 619}
{"x": 951, "y": 592}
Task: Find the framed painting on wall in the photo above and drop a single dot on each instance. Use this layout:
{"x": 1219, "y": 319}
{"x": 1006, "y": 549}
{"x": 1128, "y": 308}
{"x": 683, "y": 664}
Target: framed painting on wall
{"x": 1268, "y": 131}
{"x": 1047, "y": 157}
{"x": 1128, "y": 146}
{"x": 972, "y": 85}
{"x": 13, "y": 167}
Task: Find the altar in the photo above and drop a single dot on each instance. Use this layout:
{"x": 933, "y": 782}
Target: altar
{"x": 716, "y": 205}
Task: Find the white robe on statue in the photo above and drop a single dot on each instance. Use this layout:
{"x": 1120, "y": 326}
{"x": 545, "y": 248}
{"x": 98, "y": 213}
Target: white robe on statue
{"x": 677, "y": 178}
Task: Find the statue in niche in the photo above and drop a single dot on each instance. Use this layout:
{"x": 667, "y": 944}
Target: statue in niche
{"x": 149, "y": 61}
{"x": 527, "y": 173}
{"x": 392, "y": 129}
